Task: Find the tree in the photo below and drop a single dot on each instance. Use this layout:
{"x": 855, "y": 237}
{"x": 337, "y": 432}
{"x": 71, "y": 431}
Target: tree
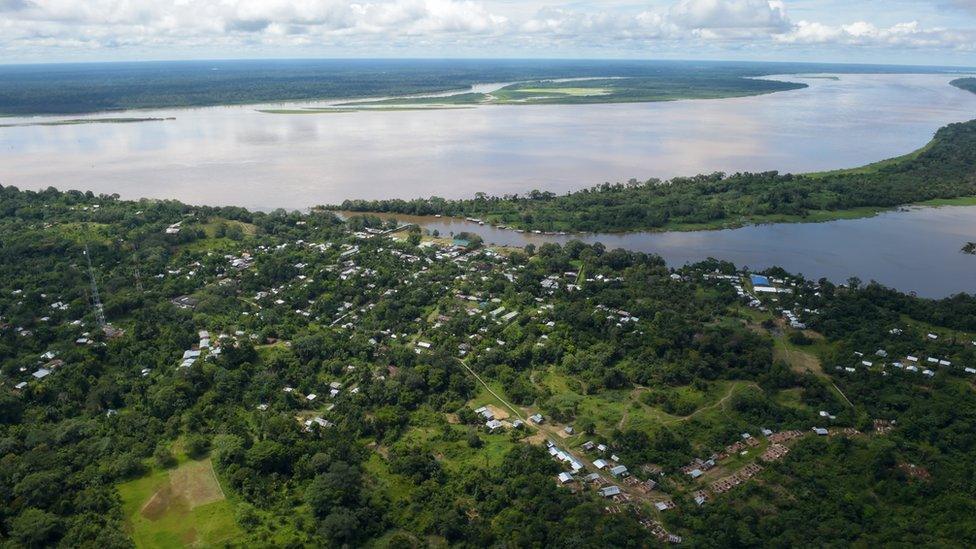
{"x": 164, "y": 456}
{"x": 337, "y": 487}
{"x": 196, "y": 445}
{"x": 35, "y": 528}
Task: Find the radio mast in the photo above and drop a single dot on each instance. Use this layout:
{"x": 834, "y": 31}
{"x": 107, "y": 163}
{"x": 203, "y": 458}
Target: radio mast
{"x": 97, "y": 301}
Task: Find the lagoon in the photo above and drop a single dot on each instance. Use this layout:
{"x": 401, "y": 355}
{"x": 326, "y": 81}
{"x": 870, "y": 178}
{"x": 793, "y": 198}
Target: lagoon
{"x": 916, "y": 249}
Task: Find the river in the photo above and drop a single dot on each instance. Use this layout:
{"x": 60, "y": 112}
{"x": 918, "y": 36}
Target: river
{"x": 237, "y": 155}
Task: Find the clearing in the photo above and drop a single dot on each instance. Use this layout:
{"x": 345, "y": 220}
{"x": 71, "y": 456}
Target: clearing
{"x": 178, "y": 507}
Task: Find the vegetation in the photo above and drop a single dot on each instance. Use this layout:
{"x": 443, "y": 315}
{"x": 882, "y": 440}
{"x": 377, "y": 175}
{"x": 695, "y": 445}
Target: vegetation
{"x": 968, "y": 84}
{"x": 93, "y": 87}
{"x": 334, "y": 397}
{"x": 664, "y": 87}
{"x": 944, "y": 169}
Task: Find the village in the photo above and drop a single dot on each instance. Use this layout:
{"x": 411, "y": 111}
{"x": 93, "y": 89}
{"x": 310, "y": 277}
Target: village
{"x": 348, "y": 285}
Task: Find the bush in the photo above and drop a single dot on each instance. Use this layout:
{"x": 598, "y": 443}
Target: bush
{"x": 163, "y": 456}
{"x": 196, "y": 446}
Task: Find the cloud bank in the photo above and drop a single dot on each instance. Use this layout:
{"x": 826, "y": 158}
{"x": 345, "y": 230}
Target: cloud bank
{"x": 33, "y": 28}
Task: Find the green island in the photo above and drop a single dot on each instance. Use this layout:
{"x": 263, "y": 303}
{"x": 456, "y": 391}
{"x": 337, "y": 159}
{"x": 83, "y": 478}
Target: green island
{"x": 173, "y": 375}
{"x": 350, "y": 109}
{"x": 940, "y": 173}
{"x": 604, "y": 90}
{"x": 82, "y": 121}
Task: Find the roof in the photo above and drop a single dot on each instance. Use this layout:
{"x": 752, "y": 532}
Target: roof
{"x": 759, "y": 280}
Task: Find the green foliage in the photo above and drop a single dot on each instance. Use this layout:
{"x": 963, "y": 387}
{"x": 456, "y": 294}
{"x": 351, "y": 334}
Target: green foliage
{"x": 944, "y": 169}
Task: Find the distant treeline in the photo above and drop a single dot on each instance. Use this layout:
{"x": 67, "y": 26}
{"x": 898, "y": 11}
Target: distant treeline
{"x": 78, "y": 88}
{"x": 968, "y": 84}
{"x": 946, "y": 168}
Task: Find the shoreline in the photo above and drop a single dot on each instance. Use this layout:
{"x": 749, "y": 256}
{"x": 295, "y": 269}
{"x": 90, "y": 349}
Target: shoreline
{"x": 818, "y": 217}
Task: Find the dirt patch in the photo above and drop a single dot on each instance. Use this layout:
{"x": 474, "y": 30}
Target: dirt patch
{"x": 453, "y": 419}
{"x": 799, "y": 361}
{"x": 189, "y": 537}
{"x": 196, "y": 482}
{"x": 189, "y": 486}
{"x": 538, "y": 438}
{"x": 165, "y": 501}
{"x": 499, "y": 413}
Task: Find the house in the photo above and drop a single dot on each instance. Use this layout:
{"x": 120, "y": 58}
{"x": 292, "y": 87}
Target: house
{"x": 600, "y": 464}
{"x": 20, "y": 386}
{"x": 311, "y": 397}
{"x": 820, "y": 431}
{"x": 493, "y": 425}
{"x": 592, "y": 477}
{"x": 41, "y": 373}
{"x": 664, "y": 505}
{"x": 565, "y": 477}
{"x": 537, "y": 419}
{"x": 588, "y": 445}
{"x": 619, "y": 471}
{"x": 610, "y": 491}
{"x": 568, "y": 430}
{"x": 518, "y": 423}
{"x": 695, "y": 473}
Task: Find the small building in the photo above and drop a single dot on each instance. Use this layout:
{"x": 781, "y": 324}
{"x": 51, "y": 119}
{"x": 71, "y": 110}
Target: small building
{"x": 619, "y": 471}
{"x": 537, "y": 419}
{"x": 569, "y": 430}
{"x": 821, "y": 431}
{"x": 565, "y": 478}
{"x": 610, "y": 491}
{"x": 600, "y": 464}
{"x": 493, "y": 425}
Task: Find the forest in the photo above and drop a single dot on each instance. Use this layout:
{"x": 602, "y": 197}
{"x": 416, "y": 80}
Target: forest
{"x": 176, "y": 375}
{"x": 50, "y": 89}
{"x": 943, "y": 169}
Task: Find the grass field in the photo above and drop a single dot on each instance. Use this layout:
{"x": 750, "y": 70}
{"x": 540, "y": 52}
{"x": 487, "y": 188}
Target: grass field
{"x": 574, "y": 92}
{"x": 180, "y": 507}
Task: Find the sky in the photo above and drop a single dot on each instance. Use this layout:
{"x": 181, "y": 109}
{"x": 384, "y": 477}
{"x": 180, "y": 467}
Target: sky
{"x": 919, "y": 32}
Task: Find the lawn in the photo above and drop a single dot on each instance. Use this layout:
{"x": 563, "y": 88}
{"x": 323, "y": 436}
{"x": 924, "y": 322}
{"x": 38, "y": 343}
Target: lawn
{"x": 178, "y": 507}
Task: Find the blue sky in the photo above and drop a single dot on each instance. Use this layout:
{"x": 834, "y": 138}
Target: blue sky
{"x": 935, "y": 32}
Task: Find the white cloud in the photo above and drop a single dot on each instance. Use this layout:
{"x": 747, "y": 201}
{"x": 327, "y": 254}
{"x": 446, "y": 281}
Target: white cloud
{"x": 716, "y": 15}
{"x": 861, "y": 33}
{"x": 39, "y": 27}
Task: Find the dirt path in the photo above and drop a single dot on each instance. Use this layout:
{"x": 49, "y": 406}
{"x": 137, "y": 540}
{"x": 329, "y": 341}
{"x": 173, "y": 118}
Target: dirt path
{"x": 721, "y": 402}
{"x": 493, "y": 393}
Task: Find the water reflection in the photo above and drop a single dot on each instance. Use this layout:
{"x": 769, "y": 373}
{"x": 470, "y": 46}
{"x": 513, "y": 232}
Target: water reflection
{"x": 914, "y": 250}
{"x": 237, "y": 155}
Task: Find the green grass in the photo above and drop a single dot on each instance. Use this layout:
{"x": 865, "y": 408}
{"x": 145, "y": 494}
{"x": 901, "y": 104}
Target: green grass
{"x": 207, "y": 525}
{"x": 573, "y": 92}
